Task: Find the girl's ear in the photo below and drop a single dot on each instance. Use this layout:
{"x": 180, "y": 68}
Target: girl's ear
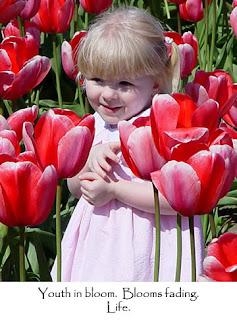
{"x": 156, "y": 88}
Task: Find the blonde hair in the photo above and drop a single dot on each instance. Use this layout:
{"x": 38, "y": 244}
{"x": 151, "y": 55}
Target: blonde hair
{"x": 127, "y": 42}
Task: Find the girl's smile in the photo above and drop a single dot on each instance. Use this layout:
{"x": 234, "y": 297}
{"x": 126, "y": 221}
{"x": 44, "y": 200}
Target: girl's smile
{"x": 120, "y": 99}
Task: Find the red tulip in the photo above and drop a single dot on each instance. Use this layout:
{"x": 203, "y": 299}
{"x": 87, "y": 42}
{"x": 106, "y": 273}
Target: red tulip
{"x": 12, "y": 29}
{"x": 195, "y": 186}
{"x": 92, "y": 6}
{"x": 21, "y": 68}
{"x": 69, "y": 55}
{"x": 17, "y": 119}
{"x": 54, "y": 16}
{"x": 62, "y": 139}
{"x": 30, "y": 9}
{"x": 134, "y": 138}
{"x": 9, "y": 9}
{"x": 188, "y": 47}
{"x": 26, "y": 192}
{"x": 192, "y": 10}
{"x": 221, "y": 261}
{"x": 216, "y": 85}
{"x": 177, "y": 120}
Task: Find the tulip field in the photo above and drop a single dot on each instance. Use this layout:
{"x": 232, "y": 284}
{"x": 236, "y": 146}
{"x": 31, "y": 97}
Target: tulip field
{"x": 47, "y": 127}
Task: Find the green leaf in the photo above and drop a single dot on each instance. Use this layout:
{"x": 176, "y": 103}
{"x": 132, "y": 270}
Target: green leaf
{"x": 227, "y": 201}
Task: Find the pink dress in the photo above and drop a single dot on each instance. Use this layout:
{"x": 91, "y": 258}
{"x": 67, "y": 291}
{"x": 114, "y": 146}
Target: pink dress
{"x": 116, "y": 242}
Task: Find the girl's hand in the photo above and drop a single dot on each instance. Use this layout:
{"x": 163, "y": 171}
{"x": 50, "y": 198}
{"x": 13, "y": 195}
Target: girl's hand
{"x": 96, "y": 190}
{"x": 101, "y": 155}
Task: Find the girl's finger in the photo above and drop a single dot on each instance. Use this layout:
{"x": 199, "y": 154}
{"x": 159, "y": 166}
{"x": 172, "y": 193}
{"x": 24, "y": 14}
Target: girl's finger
{"x": 90, "y": 175}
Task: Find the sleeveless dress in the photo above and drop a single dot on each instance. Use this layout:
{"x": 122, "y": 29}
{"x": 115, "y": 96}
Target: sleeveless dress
{"x": 116, "y": 242}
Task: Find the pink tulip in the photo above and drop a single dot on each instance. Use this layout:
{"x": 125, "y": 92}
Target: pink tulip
{"x": 11, "y": 130}
{"x": 62, "y": 139}
{"x": 30, "y": 9}
{"x": 188, "y": 47}
{"x": 221, "y": 261}
{"x": 134, "y": 138}
{"x": 196, "y": 185}
{"x": 177, "y": 1}
{"x": 12, "y": 29}
{"x": 10, "y": 9}
{"x": 216, "y": 85}
{"x": 233, "y": 20}
{"x": 21, "y": 68}
{"x": 95, "y": 6}
{"x": 69, "y": 55}
{"x": 191, "y": 10}
{"x": 54, "y": 16}
{"x": 26, "y": 192}
{"x": 9, "y": 144}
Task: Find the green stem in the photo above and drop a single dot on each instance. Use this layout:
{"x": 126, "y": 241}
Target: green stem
{"x": 213, "y": 40}
{"x": 205, "y": 63}
{"x": 87, "y": 107}
{"x": 179, "y": 21}
{"x": 86, "y": 21}
{"x": 192, "y": 246}
{"x": 179, "y": 247}
{"x": 157, "y": 243}
{"x": 58, "y": 228}
{"x": 212, "y": 225}
{"x": 21, "y": 26}
{"x": 8, "y": 107}
{"x": 54, "y": 42}
{"x": 226, "y": 19}
{"x": 81, "y": 98}
{"x": 205, "y": 223}
{"x": 167, "y": 9}
{"x": 22, "y": 254}
{"x": 76, "y": 15}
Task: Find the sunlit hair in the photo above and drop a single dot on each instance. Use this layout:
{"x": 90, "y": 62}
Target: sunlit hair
{"x": 125, "y": 43}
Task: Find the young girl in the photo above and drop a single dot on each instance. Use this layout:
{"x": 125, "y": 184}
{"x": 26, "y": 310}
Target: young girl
{"x": 111, "y": 234}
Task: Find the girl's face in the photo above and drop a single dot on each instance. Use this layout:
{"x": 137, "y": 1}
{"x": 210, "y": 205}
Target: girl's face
{"x": 121, "y": 99}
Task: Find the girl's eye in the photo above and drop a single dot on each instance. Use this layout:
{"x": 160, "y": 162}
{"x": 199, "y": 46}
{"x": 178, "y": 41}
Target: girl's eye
{"x": 125, "y": 83}
{"x": 97, "y": 80}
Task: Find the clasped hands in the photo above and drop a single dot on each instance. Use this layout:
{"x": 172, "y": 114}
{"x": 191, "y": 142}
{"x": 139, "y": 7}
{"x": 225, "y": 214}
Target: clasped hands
{"x": 96, "y": 186}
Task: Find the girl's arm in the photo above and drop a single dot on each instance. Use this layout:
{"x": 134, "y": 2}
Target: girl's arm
{"x": 140, "y": 196}
{"x": 98, "y": 191}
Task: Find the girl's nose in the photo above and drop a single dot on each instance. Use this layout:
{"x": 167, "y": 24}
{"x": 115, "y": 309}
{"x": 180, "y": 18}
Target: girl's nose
{"x": 109, "y": 93}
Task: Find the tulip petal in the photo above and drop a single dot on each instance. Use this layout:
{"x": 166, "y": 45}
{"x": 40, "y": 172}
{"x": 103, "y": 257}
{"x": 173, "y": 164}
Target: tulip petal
{"x": 73, "y": 150}
{"x": 17, "y": 119}
{"x": 197, "y": 92}
{"x": 67, "y": 61}
{"x": 11, "y": 11}
{"x": 187, "y": 59}
{"x": 215, "y": 270}
{"x": 210, "y": 168}
{"x": 164, "y": 116}
{"x": 6, "y": 80}
{"x": 32, "y": 73}
{"x": 179, "y": 184}
{"x": 49, "y": 130}
{"x": 207, "y": 115}
{"x": 45, "y": 194}
{"x": 150, "y": 160}
{"x": 125, "y": 130}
